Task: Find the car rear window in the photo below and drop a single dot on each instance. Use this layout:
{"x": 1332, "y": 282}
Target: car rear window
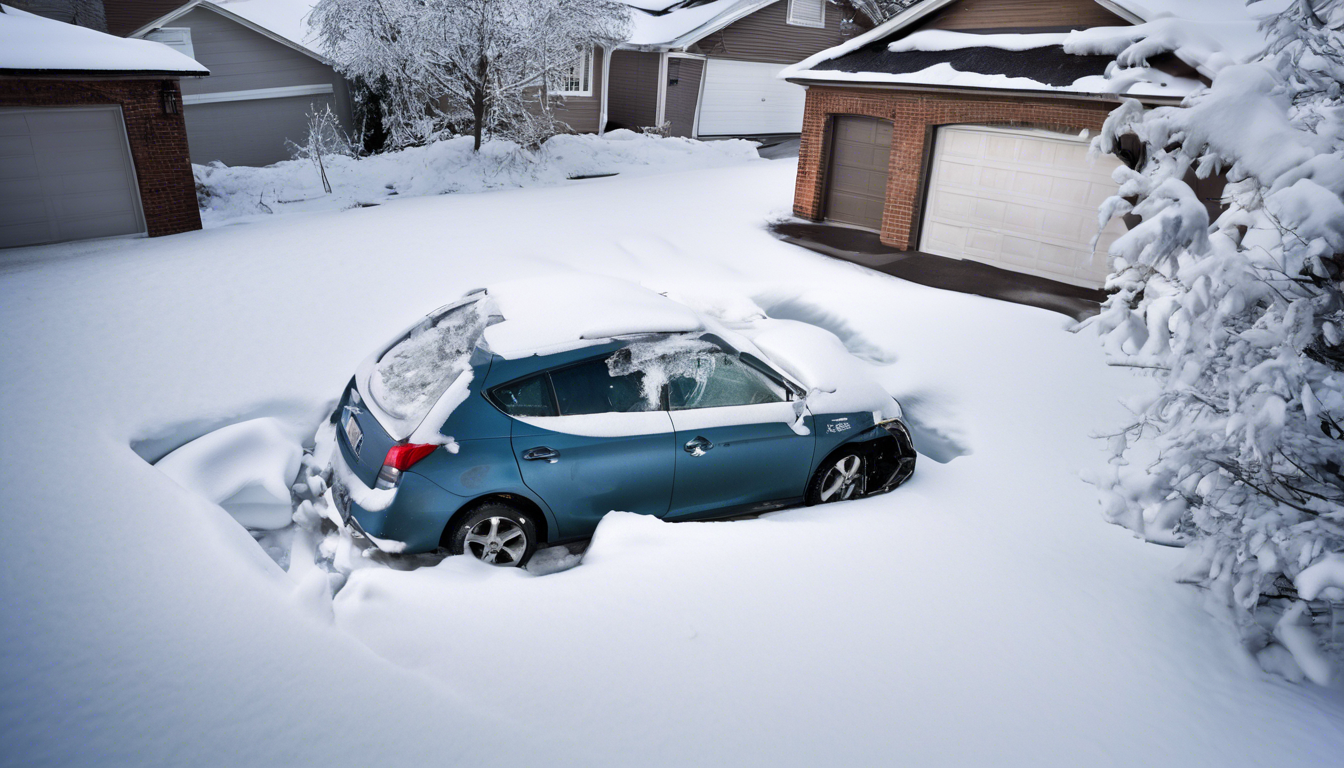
{"x": 414, "y": 373}
{"x": 529, "y": 397}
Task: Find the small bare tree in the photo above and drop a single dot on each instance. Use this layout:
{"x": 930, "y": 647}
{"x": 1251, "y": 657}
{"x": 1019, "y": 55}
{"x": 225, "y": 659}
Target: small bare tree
{"x": 324, "y": 138}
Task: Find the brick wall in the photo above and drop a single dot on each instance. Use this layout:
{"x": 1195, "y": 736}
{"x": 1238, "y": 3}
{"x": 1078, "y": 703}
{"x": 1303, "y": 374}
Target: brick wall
{"x": 914, "y": 117}
{"x": 158, "y": 141}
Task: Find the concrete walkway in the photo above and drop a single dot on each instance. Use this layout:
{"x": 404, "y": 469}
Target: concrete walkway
{"x": 863, "y": 247}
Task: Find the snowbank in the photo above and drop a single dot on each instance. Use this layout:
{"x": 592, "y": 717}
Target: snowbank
{"x": 246, "y": 468}
{"x": 446, "y": 167}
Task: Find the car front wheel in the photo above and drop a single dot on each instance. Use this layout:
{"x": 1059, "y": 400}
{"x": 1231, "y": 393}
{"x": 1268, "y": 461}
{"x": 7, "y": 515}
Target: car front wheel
{"x": 841, "y": 478}
{"x": 497, "y": 534}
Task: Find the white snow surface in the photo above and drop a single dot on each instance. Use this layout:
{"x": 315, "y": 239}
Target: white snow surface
{"x": 446, "y": 167}
{"x": 948, "y": 40}
{"x": 246, "y": 468}
{"x": 549, "y": 314}
{"x": 983, "y": 614}
{"x": 1206, "y": 34}
{"x": 32, "y": 42}
{"x": 665, "y": 29}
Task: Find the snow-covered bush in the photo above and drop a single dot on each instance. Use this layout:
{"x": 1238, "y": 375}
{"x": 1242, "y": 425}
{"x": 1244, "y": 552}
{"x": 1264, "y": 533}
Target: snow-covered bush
{"x": 324, "y": 139}
{"x": 466, "y": 66}
{"x": 1240, "y": 455}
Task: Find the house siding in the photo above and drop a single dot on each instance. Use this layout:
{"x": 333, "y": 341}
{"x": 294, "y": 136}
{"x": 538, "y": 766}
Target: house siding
{"x": 684, "y": 95}
{"x": 1020, "y": 14}
{"x": 632, "y": 96}
{"x": 254, "y": 131}
{"x": 158, "y": 142}
{"x": 915, "y": 116}
{"x": 766, "y": 35}
{"x": 583, "y": 114}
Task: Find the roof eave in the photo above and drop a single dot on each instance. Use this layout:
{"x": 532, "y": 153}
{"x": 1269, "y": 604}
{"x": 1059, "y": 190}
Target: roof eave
{"x": 702, "y": 31}
{"x": 101, "y": 74}
{"x": 1155, "y": 100}
{"x": 190, "y": 6}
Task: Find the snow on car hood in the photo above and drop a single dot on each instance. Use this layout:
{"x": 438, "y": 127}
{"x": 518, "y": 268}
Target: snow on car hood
{"x": 836, "y": 380}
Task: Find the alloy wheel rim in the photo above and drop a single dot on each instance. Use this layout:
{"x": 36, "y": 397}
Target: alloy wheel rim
{"x": 497, "y": 541}
{"x": 844, "y": 480}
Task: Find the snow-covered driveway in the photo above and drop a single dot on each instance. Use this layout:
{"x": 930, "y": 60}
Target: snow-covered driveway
{"x": 984, "y": 614}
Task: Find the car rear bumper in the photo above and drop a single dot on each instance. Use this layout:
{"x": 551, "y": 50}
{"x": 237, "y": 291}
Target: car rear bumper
{"x": 367, "y": 524}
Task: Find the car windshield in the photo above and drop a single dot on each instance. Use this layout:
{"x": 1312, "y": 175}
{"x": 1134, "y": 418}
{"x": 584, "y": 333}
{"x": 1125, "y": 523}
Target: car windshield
{"x": 414, "y": 373}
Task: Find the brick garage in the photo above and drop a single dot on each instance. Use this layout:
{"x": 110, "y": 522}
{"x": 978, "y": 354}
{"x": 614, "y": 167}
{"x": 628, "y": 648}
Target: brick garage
{"x": 158, "y": 141}
{"x": 915, "y": 117}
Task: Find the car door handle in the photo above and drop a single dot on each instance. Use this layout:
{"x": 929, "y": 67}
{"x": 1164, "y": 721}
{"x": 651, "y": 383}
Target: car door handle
{"x": 542, "y": 453}
{"x": 698, "y": 446}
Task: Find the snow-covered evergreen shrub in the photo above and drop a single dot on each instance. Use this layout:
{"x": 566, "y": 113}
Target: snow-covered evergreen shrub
{"x": 1240, "y": 454}
{"x": 483, "y": 67}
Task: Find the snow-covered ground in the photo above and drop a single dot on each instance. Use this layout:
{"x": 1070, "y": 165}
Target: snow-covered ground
{"x": 982, "y": 614}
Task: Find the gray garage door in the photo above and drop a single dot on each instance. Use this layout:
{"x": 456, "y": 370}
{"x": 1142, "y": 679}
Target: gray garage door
{"x": 856, "y": 187}
{"x": 65, "y": 174}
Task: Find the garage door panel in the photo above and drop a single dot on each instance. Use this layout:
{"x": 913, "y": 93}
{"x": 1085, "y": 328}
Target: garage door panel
{"x": 65, "y": 173}
{"x": 748, "y": 98}
{"x": 856, "y": 177}
{"x": 1035, "y": 198}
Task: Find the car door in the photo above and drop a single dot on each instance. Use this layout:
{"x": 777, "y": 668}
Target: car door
{"x": 589, "y": 443}
{"x": 738, "y": 447}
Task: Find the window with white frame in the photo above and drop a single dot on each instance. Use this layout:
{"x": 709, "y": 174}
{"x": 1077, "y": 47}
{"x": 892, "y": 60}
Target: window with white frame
{"x": 807, "y": 13}
{"x": 577, "y": 78}
{"x": 177, "y": 38}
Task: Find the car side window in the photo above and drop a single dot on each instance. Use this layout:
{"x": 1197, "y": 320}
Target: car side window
{"x": 722, "y": 380}
{"x": 590, "y": 388}
{"x": 529, "y": 397}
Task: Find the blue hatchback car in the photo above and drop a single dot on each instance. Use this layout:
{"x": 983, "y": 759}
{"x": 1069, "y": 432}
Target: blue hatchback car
{"x": 522, "y": 414}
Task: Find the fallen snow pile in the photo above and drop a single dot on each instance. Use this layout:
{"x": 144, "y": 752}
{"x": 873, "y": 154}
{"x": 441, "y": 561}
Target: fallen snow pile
{"x": 246, "y": 468}
{"x": 445, "y": 167}
{"x": 1240, "y": 456}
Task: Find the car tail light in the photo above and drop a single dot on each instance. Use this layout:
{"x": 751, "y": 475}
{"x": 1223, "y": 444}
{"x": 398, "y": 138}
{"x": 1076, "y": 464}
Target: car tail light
{"x": 399, "y": 459}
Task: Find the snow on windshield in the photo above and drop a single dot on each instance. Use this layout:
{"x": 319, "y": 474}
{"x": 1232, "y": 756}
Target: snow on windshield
{"x": 411, "y": 376}
{"x": 663, "y": 360}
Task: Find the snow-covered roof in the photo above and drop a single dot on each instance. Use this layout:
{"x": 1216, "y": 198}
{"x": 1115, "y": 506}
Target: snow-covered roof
{"x": 1205, "y": 34}
{"x": 31, "y": 43}
{"x": 283, "y": 20}
{"x": 659, "y": 24}
{"x": 559, "y": 312}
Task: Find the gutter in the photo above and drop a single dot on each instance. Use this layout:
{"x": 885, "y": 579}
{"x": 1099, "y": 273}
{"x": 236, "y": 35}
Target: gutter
{"x": 1116, "y": 98}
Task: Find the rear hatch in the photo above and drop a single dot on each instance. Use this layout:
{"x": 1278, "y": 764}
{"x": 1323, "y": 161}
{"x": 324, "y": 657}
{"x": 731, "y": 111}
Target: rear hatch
{"x": 397, "y": 387}
{"x": 363, "y": 441}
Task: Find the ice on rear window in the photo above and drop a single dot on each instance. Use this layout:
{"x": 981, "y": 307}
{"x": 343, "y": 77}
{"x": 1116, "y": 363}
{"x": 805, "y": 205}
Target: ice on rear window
{"x": 411, "y": 376}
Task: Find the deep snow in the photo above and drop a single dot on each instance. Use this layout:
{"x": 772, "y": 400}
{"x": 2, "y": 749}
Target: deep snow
{"x": 982, "y": 614}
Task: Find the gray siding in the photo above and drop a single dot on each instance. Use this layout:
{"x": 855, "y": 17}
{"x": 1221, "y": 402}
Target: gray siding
{"x": 253, "y": 131}
{"x": 632, "y": 98}
{"x": 766, "y": 35}
{"x": 583, "y": 113}
{"x": 683, "y": 95}
{"x": 1021, "y": 14}
{"x": 249, "y": 132}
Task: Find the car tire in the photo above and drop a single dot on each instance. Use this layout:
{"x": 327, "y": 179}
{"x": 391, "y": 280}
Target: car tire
{"x": 491, "y": 534}
{"x": 842, "y": 477}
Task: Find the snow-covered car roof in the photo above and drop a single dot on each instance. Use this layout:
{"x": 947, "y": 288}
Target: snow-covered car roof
{"x": 543, "y": 315}
{"x": 32, "y": 43}
{"x": 1205, "y": 34}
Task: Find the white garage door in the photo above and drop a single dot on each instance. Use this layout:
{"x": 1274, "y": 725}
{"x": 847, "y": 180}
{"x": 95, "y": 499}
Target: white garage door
{"x": 745, "y": 98}
{"x": 1022, "y": 200}
{"x": 65, "y": 174}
